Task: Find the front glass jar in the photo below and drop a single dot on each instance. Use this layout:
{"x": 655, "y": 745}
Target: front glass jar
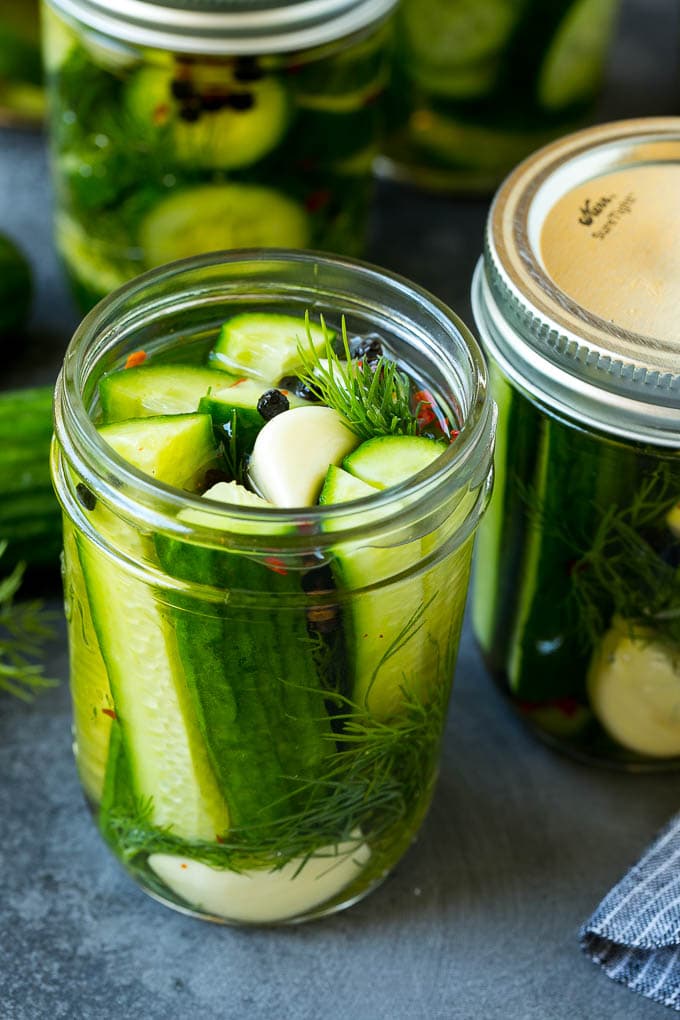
{"x": 577, "y": 601}
{"x": 21, "y": 92}
{"x": 181, "y": 127}
{"x": 477, "y": 86}
{"x": 259, "y": 695}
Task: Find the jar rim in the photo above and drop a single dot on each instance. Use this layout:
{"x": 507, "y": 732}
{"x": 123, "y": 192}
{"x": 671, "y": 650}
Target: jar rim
{"x": 466, "y": 462}
{"x": 224, "y": 27}
{"x": 573, "y": 358}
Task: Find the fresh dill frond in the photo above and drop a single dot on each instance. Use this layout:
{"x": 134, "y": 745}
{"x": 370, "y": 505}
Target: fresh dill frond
{"x": 624, "y": 574}
{"x": 374, "y": 399}
{"x": 24, "y": 627}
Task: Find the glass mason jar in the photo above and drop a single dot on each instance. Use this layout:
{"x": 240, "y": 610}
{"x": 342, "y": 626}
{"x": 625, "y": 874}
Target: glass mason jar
{"x": 257, "y": 729}
{"x": 577, "y": 602}
{"x": 21, "y": 92}
{"x": 181, "y": 127}
{"x": 478, "y": 86}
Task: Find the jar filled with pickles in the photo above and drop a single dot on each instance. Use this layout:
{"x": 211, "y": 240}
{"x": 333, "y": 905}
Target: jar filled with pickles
{"x": 577, "y": 598}
{"x": 477, "y": 86}
{"x": 180, "y": 127}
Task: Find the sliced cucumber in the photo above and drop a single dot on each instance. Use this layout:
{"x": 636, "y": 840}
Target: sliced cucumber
{"x": 156, "y": 390}
{"x": 90, "y": 691}
{"x": 396, "y": 625}
{"x": 292, "y": 452}
{"x": 389, "y": 460}
{"x": 178, "y": 449}
{"x": 634, "y": 690}
{"x": 238, "y": 403}
{"x": 168, "y": 763}
{"x": 265, "y": 345}
{"x": 574, "y": 62}
{"x": 94, "y": 269}
{"x": 252, "y": 674}
{"x": 341, "y": 487}
{"x": 225, "y": 139}
{"x": 210, "y": 217}
{"x": 456, "y": 33}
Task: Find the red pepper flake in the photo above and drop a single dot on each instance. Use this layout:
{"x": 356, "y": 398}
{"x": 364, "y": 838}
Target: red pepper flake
{"x": 161, "y": 114}
{"x": 275, "y": 564}
{"x": 218, "y": 838}
{"x": 184, "y": 866}
{"x": 135, "y": 359}
{"x": 238, "y": 382}
{"x": 317, "y": 200}
{"x": 453, "y": 434}
{"x": 109, "y": 711}
{"x": 425, "y": 413}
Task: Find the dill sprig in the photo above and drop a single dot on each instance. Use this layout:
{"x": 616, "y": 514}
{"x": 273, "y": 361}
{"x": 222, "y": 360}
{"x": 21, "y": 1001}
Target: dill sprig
{"x": 236, "y": 462}
{"x": 374, "y": 399}
{"x": 623, "y": 573}
{"x": 374, "y": 786}
{"x": 24, "y": 628}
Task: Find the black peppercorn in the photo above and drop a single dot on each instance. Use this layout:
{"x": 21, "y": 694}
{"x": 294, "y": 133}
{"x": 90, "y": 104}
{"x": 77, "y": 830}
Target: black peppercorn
{"x": 247, "y": 69}
{"x": 86, "y": 496}
{"x": 271, "y": 403}
{"x": 241, "y": 101}
{"x": 181, "y": 89}
{"x": 368, "y": 349}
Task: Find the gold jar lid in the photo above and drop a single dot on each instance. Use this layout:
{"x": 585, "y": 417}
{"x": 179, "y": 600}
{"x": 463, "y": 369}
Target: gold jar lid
{"x": 579, "y": 294}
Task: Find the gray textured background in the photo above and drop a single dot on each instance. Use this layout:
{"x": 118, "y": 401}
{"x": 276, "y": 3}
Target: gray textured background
{"x": 479, "y": 922}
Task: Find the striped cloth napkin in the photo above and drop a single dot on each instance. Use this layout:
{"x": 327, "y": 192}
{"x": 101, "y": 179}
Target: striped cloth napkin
{"x": 635, "y": 932}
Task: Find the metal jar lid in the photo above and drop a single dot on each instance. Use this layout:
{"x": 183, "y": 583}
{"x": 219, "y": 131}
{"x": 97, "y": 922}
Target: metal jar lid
{"x": 578, "y": 294}
{"x": 214, "y": 27}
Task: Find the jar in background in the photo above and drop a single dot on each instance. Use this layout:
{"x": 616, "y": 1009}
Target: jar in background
{"x": 180, "y": 127}
{"x": 21, "y": 93}
{"x": 259, "y": 695}
{"x": 477, "y": 86}
{"x": 577, "y": 595}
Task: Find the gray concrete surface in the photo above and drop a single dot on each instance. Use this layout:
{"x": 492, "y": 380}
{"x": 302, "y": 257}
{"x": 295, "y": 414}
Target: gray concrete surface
{"x": 479, "y": 922}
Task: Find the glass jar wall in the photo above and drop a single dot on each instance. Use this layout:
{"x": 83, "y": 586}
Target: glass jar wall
{"x": 259, "y": 695}
{"x": 172, "y": 141}
{"x": 478, "y": 86}
{"x": 577, "y": 600}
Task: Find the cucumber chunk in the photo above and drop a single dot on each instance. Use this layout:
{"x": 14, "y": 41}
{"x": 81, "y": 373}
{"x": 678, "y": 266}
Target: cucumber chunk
{"x": 265, "y": 345}
{"x": 341, "y": 487}
{"x": 238, "y": 403}
{"x": 223, "y": 139}
{"x": 292, "y": 452}
{"x": 633, "y": 685}
{"x": 574, "y": 62}
{"x": 156, "y": 390}
{"x": 211, "y": 217}
{"x": 168, "y": 763}
{"x": 389, "y": 460}
{"x": 178, "y": 449}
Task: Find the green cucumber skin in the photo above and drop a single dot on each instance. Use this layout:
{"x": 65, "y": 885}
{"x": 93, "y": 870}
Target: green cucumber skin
{"x": 248, "y": 423}
{"x": 16, "y": 288}
{"x": 254, "y": 685}
{"x": 30, "y": 517}
{"x": 537, "y": 641}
